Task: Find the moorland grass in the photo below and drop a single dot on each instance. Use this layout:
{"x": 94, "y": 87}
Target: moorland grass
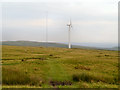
{"x": 65, "y": 68}
{"x": 95, "y": 77}
{"x": 13, "y": 76}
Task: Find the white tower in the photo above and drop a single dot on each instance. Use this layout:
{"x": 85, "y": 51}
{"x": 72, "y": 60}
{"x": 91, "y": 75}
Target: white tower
{"x": 46, "y": 29}
{"x": 70, "y": 26}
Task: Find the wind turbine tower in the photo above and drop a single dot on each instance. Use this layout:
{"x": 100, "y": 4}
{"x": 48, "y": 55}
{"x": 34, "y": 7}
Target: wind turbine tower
{"x": 70, "y": 26}
{"x": 46, "y": 29}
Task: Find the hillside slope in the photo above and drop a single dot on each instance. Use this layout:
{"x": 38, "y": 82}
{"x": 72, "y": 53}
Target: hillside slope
{"x": 24, "y": 66}
{"x": 49, "y": 44}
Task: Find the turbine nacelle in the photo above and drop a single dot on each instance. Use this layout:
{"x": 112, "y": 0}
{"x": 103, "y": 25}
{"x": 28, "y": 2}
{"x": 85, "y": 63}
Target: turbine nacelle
{"x": 70, "y": 24}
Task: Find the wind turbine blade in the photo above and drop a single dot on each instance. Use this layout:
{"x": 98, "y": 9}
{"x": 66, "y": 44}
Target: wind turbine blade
{"x": 70, "y": 21}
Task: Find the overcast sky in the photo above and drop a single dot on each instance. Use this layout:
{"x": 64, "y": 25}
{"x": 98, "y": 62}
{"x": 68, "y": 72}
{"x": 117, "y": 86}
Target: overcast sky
{"x": 93, "y": 20}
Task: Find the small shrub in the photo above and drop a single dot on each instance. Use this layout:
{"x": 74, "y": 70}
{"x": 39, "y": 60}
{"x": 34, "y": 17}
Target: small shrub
{"x": 107, "y": 55}
{"x": 50, "y": 55}
{"x": 76, "y": 77}
{"x": 82, "y": 67}
{"x": 22, "y": 60}
{"x": 63, "y": 83}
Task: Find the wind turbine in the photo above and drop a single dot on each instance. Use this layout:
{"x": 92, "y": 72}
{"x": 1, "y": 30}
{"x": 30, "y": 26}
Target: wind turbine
{"x": 46, "y": 29}
{"x": 70, "y": 26}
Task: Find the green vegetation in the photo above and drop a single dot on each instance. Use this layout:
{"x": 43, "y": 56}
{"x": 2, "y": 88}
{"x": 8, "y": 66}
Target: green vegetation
{"x": 40, "y": 67}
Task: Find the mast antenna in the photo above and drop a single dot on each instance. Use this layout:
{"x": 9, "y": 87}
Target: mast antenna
{"x": 46, "y": 29}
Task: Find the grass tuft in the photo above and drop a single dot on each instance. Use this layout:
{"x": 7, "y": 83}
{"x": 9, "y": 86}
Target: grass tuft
{"x": 12, "y": 76}
{"x": 16, "y": 76}
{"x": 88, "y": 77}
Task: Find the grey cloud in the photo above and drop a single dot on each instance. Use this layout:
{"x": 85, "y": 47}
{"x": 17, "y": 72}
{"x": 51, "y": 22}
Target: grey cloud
{"x": 90, "y": 21}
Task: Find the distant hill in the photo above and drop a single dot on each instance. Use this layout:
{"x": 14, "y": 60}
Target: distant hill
{"x": 32, "y": 43}
{"x": 49, "y": 44}
{"x": 113, "y": 48}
